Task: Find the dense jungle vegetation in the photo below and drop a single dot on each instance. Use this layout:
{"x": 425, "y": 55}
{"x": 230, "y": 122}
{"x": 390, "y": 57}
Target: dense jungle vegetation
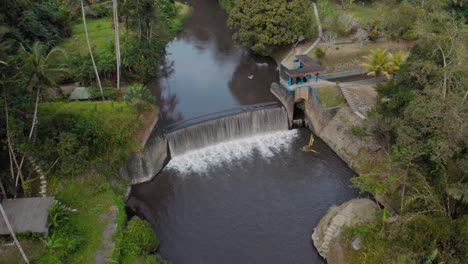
{"x": 78, "y": 146}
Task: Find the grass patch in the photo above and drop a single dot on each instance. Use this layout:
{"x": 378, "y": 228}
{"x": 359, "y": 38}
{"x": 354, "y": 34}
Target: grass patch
{"x": 367, "y": 12}
{"x": 345, "y": 57}
{"x": 11, "y": 254}
{"x": 330, "y": 96}
{"x": 111, "y": 114}
{"x": 100, "y": 34}
{"x": 91, "y": 196}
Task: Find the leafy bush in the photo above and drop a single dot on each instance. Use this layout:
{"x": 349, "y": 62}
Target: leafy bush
{"x": 109, "y": 92}
{"x": 155, "y": 259}
{"x": 409, "y": 35}
{"x": 436, "y": 239}
{"x": 358, "y": 131}
{"x": 300, "y": 105}
{"x": 58, "y": 214}
{"x": 48, "y": 258}
{"x": 374, "y": 35}
{"x": 319, "y": 52}
{"x": 70, "y": 240}
{"x": 139, "y": 238}
{"x": 138, "y": 91}
{"x": 30, "y": 21}
{"x": 79, "y": 134}
{"x": 260, "y": 27}
{"x": 99, "y": 10}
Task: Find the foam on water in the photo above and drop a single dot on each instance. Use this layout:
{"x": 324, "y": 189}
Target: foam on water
{"x": 200, "y": 161}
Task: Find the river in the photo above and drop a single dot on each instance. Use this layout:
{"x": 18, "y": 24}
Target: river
{"x": 249, "y": 200}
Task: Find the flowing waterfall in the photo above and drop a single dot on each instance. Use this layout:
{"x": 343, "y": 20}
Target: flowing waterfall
{"x": 228, "y": 128}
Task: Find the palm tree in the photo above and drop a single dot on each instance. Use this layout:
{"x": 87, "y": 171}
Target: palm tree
{"x": 117, "y": 42}
{"x": 91, "y": 51}
{"x": 395, "y": 61}
{"x": 41, "y": 71}
{"x": 377, "y": 63}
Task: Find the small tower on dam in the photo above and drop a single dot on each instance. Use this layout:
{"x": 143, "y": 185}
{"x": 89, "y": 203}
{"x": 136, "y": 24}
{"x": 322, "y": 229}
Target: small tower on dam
{"x": 295, "y": 89}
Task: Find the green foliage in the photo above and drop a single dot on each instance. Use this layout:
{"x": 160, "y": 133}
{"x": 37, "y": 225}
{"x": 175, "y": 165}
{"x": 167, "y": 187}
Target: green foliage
{"x": 358, "y": 131}
{"x": 109, "y": 92}
{"x": 92, "y": 196}
{"x": 402, "y": 18}
{"x": 300, "y": 105}
{"x": 374, "y": 183}
{"x": 139, "y": 238}
{"x": 58, "y": 214}
{"x": 83, "y": 133}
{"x": 263, "y": 26}
{"x": 380, "y": 62}
{"x": 99, "y": 10}
{"x": 141, "y": 59}
{"x": 30, "y": 21}
{"x": 374, "y": 35}
{"x": 227, "y": 4}
{"x": 319, "y": 52}
{"x": 155, "y": 259}
{"x": 139, "y": 92}
{"x": 182, "y": 11}
{"x": 421, "y": 113}
{"x": 434, "y": 238}
{"x": 409, "y": 35}
{"x": 48, "y": 258}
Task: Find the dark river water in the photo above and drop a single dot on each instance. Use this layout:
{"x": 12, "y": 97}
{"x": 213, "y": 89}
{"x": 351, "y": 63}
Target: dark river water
{"x": 205, "y": 72}
{"x": 251, "y": 200}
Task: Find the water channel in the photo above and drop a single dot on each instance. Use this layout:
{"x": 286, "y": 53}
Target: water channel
{"x": 253, "y": 198}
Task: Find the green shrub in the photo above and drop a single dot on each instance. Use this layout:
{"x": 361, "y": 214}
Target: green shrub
{"x": 98, "y": 10}
{"x": 374, "y": 35}
{"x": 140, "y": 92}
{"x": 48, "y": 258}
{"x": 109, "y": 92}
{"x": 358, "y": 131}
{"x": 82, "y": 134}
{"x": 139, "y": 238}
{"x": 156, "y": 259}
{"x": 319, "y": 52}
{"x": 70, "y": 241}
{"x": 409, "y": 35}
{"x": 300, "y": 105}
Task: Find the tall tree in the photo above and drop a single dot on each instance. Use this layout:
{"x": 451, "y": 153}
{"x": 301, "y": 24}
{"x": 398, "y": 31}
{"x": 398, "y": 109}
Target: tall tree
{"x": 263, "y": 25}
{"x": 117, "y": 40}
{"x": 91, "y": 51}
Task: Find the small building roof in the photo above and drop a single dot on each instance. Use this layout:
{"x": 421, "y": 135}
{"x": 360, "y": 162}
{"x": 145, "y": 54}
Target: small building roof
{"x": 310, "y": 67}
{"x": 26, "y": 214}
{"x": 80, "y": 93}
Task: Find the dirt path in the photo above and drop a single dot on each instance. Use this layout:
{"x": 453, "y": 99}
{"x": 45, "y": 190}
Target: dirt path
{"x": 104, "y": 252}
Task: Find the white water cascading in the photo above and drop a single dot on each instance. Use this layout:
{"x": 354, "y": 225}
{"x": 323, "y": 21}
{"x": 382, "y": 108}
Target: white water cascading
{"x": 227, "y": 128}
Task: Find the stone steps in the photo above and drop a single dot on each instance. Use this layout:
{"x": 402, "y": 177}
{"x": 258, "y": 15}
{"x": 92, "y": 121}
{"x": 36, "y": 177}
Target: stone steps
{"x": 337, "y": 222}
{"x": 350, "y": 101}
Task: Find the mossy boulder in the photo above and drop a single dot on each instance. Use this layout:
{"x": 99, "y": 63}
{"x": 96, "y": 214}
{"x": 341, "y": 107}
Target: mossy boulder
{"x": 326, "y": 235}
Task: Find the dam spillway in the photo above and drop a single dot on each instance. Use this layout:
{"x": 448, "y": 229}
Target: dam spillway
{"x": 262, "y": 120}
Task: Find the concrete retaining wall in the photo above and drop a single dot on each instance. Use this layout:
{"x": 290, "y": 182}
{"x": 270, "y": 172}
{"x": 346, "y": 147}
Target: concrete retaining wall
{"x": 143, "y": 166}
{"x": 286, "y": 98}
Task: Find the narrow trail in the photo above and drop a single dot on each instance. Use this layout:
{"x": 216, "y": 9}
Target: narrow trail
{"x": 319, "y": 25}
{"x": 316, "y": 42}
